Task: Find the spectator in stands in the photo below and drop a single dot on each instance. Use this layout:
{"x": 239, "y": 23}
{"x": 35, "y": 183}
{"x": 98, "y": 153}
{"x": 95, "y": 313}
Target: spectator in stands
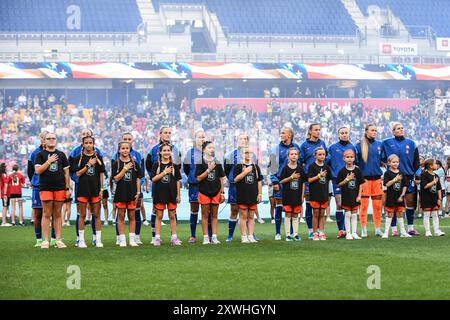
{"x": 351, "y": 93}
{"x": 367, "y": 92}
{"x": 275, "y": 91}
{"x": 437, "y": 92}
{"x": 297, "y": 93}
{"x": 266, "y": 93}
{"x": 322, "y": 94}
{"x": 308, "y": 93}
{"x": 447, "y": 93}
{"x": 360, "y": 93}
{"x": 403, "y": 94}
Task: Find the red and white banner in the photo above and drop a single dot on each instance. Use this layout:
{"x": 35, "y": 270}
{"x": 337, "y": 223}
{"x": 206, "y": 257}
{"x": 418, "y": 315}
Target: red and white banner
{"x": 398, "y": 49}
{"x": 443, "y": 44}
{"x": 264, "y": 104}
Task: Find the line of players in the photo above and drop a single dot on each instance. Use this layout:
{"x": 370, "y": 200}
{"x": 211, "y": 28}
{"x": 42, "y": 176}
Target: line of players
{"x": 296, "y": 172}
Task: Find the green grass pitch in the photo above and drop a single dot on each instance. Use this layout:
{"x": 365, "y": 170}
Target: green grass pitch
{"x": 414, "y": 268}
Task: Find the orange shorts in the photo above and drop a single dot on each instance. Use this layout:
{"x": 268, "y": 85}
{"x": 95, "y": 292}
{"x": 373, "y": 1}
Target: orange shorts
{"x": 372, "y": 188}
{"x": 292, "y": 209}
{"x": 431, "y": 209}
{"x": 126, "y": 205}
{"x": 202, "y": 199}
{"x": 247, "y": 206}
{"x": 318, "y": 205}
{"x": 163, "y": 206}
{"x": 59, "y": 195}
{"x": 89, "y": 199}
{"x": 350, "y": 208}
{"x": 394, "y": 209}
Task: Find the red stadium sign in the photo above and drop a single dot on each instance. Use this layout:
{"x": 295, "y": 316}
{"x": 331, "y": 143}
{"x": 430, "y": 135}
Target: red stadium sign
{"x": 264, "y": 104}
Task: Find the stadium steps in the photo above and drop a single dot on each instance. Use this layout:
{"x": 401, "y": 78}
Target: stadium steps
{"x": 362, "y": 22}
{"x": 149, "y": 16}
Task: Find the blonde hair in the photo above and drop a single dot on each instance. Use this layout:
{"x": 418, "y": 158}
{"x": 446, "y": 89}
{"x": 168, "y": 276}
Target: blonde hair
{"x": 392, "y": 157}
{"x": 394, "y": 126}
{"x": 308, "y": 134}
{"x": 349, "y": 151}
{"x": 291, "y": 131}
{"x": 365, "y": 143}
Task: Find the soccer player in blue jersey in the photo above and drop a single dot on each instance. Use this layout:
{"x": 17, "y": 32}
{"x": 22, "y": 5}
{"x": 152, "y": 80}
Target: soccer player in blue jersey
{"x": 307, "y": 150}
{"x": 165, "y": 134}
{"x": 230, "y": 161}
{"x": 73, "y": 154}
{"x": 336, "y": 162}
{"x": 407, "y": 151}
{"x": 192, "y": 158}
{"x": 137, "y": 158}
{"x": 278, "y": 160}
{"x": 369, "y": 158}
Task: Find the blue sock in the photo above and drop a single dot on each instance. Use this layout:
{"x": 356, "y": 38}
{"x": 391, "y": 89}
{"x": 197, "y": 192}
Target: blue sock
{"x": 93, "y": 225}
{"x": 117, "y": 224}
{"x": 76, "y": 225}
{"x": 340, "y": 220}
{"x": 308, "y": 215}
{"x": 210, "y": 225}
{"x": 292, "y": 229}
{"x": 278, "y": 214}
{"x": 193, "y": 223}
{"x": 137, "y": 216}
{"x": 410, "y": 216}
{"x": 231, "y": 226}
{"x": 394, "y": 221}
{"x": 53, "y": 233}
{"x": 38, "y": 233}
{"x": 153, "y": 220}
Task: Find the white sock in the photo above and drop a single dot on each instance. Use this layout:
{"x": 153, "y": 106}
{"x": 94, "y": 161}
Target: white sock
{"x": 94, "y": 237}
{"x": 132, "y": 236}
{"x": 295, "y": 226}
{"x": 348, "y": 216}
{"x": 401, "y": 225}
{"x": 81, "y": 235}
{"x": 118, "y": 238}
{"x": 435, "y": 216}
{"x": 137, "y": 237}
{"x": 354, "y": 222}
{"x": 214, "y": 236}
{"x": 98, "y": 236}
{"x": 157, "y": 236}
{"x": 388, "y": 225}
{"x": 287, "y": 226}
{"x": 310, "y": 230}
{"x": 174, "y": 236}
{"x": 122, "y": 238}
{"x": 410, "y": 227}
{"x": 426, "y": 221}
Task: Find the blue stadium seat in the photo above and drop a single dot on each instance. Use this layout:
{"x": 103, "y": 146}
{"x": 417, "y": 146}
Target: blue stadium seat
{"x": 50, "y": 15}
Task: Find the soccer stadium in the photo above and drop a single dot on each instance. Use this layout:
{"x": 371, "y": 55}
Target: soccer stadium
{"x": 225, "y": 149}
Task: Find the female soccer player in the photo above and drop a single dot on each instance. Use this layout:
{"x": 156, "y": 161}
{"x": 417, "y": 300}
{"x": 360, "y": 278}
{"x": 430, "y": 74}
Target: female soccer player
{"x": 430, "y": 197}
{"x": 248, "y": 181}
{"x": 408, "y": 154}
{"x": 349, "y": 180}
{"x": 395, "y": 183}
{"x": 4, "y": 193}
{"x": 126, "y": 174}
{"x": 166, "y": 177}
{"x": 319, "y": 176}
{"x": 192, "y": 158}
{"x": 336, "y": 162}
{"x": 278, "y": 160}
{"x": 89, "y": 168}
{"x": 293, "y": 180}
{"x": 16, "y": 181}
{"x": 105, "y": 198}
{"x": 447, "y": 186}
{"x": 210, "y": 176}
{"x": 52, "y": 167}
{"x": 369, "y": 156}
{"x": 307, "y": 157}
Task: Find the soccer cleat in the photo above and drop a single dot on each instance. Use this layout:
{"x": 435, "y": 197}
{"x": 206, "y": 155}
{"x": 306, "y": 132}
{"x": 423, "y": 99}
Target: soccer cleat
{"x": 123, "y": 244}
{"x": 82, "y": 244}
{"x": 53, "y": 243}
{"x": 277, "y": 237}
{"x": 106, "y": 223}
{"x": 297, "y": 238}
{"x": 45, "y": 245}
{"x": 99, "y": 245}
{"x": 311, "y": 236}
{"x": 133, "y": 243}
{"x": 192, "y": 240}
{"x": 349, "y": 236}
{"x": 261, "y": 221}
{"x": 255, "y": 237}
{"x": 413, "y": 232}
{"x": 145, "y": 223}
{"x": 162, "y": 223}
{"x": 364, "y": 233}
{"x": 378, "y": 233}
{"x": 38, "y": 243}
{"x": 6, "y": 224}
{"x": 385, "y": 236}
{"x": 289, "y": 238}
{"x": 405, "y": 235}
{"x": 175, "y": 242}
{"x": 355, "y": 236}
{"x": 244, "y": 239}
{"x": 229, "y": 239}
{"x": 329, "y": 219}
{"x": 117, "y": 242}
{"x": 76, "y": 242}
{"x": 394, "y": 233}
{"x": 316, "y": 237}
{"x": 153, "y": 240}
{"x": 214, "y": 240}
{"x": 322, "y": 236}
{"x": 60, "y": 244}
{"x": 138, "y": 240}
{"x": 302, "y": 220}
{"x": 206, "y": 240}
{"x": 252, "y": 239}
{"x": 428, "y": 234}
{"x": 272, "y": 221}
{"x": 439, "y": 233}
{"x": 341, "y": 234}
{"x": 21, "y": 224}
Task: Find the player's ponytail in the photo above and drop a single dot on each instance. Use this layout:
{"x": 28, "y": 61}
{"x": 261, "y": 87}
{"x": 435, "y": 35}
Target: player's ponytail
{"x": 365, "y": 143}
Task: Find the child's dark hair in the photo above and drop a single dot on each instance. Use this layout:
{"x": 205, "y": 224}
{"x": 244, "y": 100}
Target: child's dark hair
{"x": 2, "y": 168}
{"x": 448, "y": 163}
{"x": 428, "y": 162}
{"x": 118, "y": 155}
{"x": 82, "y": 148}
{"x": 160, "y": 148}
{"x": 14, "y": 174}
{"x": 439, "y": 163}
{"x": 205, "y": 144}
